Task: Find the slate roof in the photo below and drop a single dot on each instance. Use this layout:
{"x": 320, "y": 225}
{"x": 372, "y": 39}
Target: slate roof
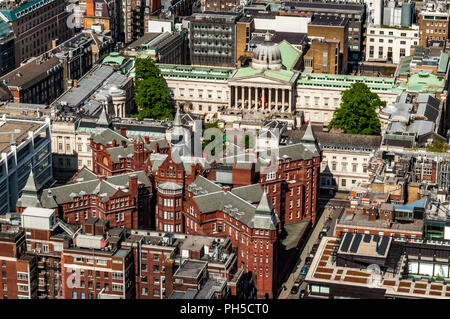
{"x": 55, "y": 196}
{"x": 421, "y": 127}
{"x": 327, "y": 138}
{"x": 104, "y": 136}
{"x": 29, "y": 197}
{"x": 428, "y": 106}
{"x": 238, "y": 208}
{"x": 251, "y": 193}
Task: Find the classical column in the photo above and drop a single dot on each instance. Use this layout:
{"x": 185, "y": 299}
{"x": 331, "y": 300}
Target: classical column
{"x": 243, "y": 93}
{"x": 249, "y": 98}
{"x": 282, "y": 98}
{"x": 276, "y": 99}
{"x": 263, "y": 103}
{"x": 270, "y": 99}
{"x": 290, "y": 101}
{"x": 235, "y": 96}
{"x": 256, "y": 97}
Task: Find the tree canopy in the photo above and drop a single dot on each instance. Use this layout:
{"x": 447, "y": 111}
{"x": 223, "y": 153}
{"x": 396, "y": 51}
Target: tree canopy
{"x": 437, "y": 147}
{"x": 151, "y": 93}
{"x": 357, "y": 113}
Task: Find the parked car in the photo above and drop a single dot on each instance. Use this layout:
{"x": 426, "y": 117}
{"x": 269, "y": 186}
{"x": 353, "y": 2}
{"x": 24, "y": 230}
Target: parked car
{"x": 304, "y": 271}
{"x": 326, "y": 228}
{"x": 308, "y": 261}
{"x": 302, "y": 293}
{"x": 295, "y": 289}
{"x": 299, "y": 281}
{"x": 321, "y": 234}
{"x": 314, "y": 248}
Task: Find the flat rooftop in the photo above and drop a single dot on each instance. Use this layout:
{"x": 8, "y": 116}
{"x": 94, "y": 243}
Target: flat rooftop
{"x": 191, "y": 268}
{"x": 10, "y": 126}
{"x": 329, "y": 21}
{"x": 324, "y": 271}
{"x": 196, "y": 243}
{"x": 359, "y": 219}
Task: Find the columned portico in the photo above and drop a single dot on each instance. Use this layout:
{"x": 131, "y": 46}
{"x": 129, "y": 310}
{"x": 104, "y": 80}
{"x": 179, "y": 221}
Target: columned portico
{"x": 277, "y": 99}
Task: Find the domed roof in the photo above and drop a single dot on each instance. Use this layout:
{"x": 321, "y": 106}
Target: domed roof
{"x": 267, "y": 56}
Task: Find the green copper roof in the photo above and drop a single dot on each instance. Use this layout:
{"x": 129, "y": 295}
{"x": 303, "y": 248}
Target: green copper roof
{"x": 443, "y": 62}
{"x": 13, "y": 15}
{"x": 424, "y": 82}
{"x": 289, "y": 54}
{"x": 345, "y": 81}
{"x": 284, "y": 75}
{"x": 189, "y": 71}
{"x": 114, "y": 58}
{"x": 404, "y": 65}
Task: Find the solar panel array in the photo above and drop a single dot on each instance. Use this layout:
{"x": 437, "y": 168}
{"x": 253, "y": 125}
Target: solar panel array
{"x": 381, "y": 249}
{"x": 356, "y": 243}
{"x": 348, "y": 238}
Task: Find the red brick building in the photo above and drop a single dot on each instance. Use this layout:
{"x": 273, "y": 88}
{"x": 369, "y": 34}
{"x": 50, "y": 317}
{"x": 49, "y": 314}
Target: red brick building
{"x": 18, "y": 269}
{"x": 115, "y": 154}
{"x": 123, "y": 200}
{"x": 96, "y": 268}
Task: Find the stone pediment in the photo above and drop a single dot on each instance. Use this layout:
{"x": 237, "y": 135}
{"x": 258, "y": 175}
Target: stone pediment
{"x": 259, "y": 79}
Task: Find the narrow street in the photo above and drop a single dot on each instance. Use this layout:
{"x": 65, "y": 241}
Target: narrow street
{"x": 333, "y": 209}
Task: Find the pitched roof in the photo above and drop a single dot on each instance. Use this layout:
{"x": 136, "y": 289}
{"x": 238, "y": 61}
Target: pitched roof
{"x": 29, "y": 197}
{"x": 55, "y": 196}
{"x": 104, "y": 119}
{"x": 264, "y": 206}
{"x": 239, "y": 208}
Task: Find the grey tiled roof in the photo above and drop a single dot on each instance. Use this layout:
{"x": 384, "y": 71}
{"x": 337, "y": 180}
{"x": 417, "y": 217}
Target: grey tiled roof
{"x": 238, "y": 208}
{"x": 104, "y": 136}
{"x": 55, "y": 196}
{"x": 251, "y": 193}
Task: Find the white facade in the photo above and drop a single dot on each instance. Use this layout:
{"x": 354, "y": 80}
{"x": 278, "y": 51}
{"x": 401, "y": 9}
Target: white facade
{"x": 283, "y": 24}
{"x": 159, "y": 26}
{"x": 319, "y": 103}
{"x": 390, "y": 44}
{"x": 374, "y": 12}
{"x": 199, "y": 96}
{"x": 70, "y": 147}
{"x": 343, "y": 168}
{"x": 38, "y": 218}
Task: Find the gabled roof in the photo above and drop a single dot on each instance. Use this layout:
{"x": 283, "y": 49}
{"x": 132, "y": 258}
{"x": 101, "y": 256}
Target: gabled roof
{"x": 55, "y": 196}
{"x": 262, "y": 217}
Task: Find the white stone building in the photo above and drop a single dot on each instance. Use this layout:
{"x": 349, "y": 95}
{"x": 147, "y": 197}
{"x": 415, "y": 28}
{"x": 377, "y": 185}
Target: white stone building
{"x": 346, "y": 157}
{"x": 384, "y": 44}
{"x": 271, "y": 89}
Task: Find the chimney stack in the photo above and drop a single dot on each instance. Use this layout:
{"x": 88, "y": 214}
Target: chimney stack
{"x": 124, "y": 144}
{"x": 123, "y": 131}
{"x": 133, "y": 184}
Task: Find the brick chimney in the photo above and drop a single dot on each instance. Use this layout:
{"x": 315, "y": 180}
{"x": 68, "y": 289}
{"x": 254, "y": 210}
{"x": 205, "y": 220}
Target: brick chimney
{"x": 133, "y": 184}
{"x": 124, "y": 144}
{"x": 123, "y": 131}
{"x": 156, "y": 148}
{"x": 114, "y": 143}
{"x": 372, "y": 214}
{"x": 226, "y": 188}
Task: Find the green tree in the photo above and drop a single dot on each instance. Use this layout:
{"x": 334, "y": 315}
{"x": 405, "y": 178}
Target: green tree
{"x": 357, "y": 113}
{"x": 151, "y": 93}
{"x": 145, "y": 69}
{"x": 205, "y": 142}
{"x": 437, "y": 147}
